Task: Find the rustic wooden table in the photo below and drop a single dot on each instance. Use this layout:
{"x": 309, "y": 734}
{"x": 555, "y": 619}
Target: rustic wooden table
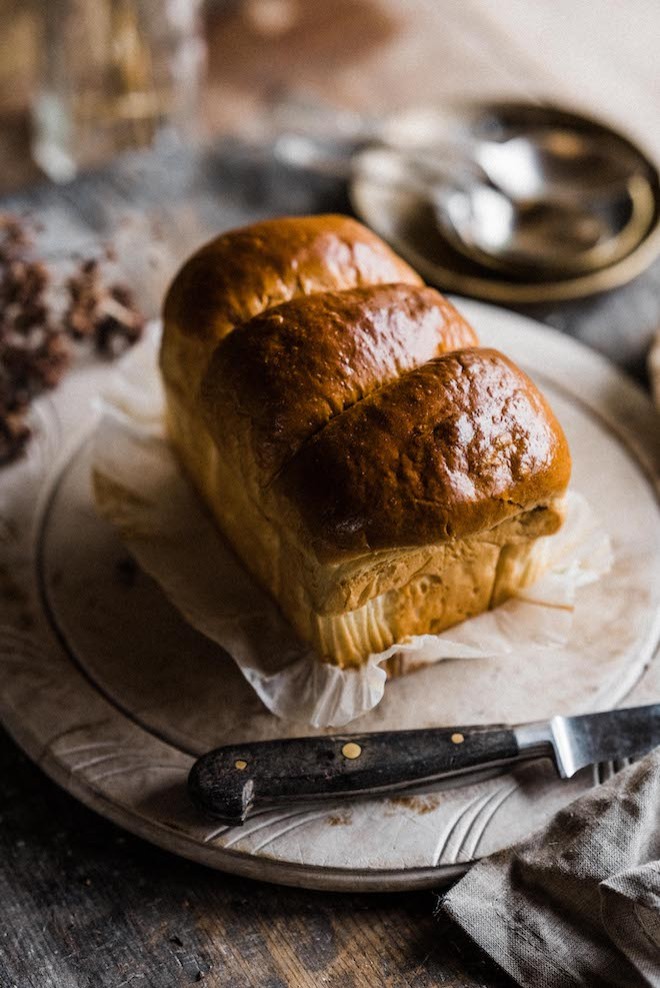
{"x": 83, "y": 903}
{"x": 87, "y": 906}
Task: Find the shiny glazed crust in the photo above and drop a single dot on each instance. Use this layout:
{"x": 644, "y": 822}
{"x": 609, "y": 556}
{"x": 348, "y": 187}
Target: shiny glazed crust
{"x": 450, "y": 449}
{"x": 379, "y": 474}
{"x": 298, "y": 365}
{"x": 243, "y": 272}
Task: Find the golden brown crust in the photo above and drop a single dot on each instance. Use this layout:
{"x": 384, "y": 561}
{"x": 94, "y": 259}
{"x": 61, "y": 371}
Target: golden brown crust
{"x": 363, "y": 604}
{"x": 284, "y": 374}
{"x": 375, "y": 489}
{"x": 243, "y": 272}
{"x": 451, "y": 448}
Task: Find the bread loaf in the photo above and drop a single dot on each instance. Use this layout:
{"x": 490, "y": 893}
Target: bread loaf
{"x": 378, "y": 472}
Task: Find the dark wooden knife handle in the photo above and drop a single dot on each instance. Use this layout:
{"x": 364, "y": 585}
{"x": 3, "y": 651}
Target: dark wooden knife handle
{"x": 229, "y": 781}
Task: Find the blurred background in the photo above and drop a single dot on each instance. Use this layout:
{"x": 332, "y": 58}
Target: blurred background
{"x": 221, "y": 66}
{"x": 133, "y": 130}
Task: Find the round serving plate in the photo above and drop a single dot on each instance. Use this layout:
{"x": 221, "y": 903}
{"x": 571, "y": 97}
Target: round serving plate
{"x": 114, "y": 695}
{"x": 407, "y": 222}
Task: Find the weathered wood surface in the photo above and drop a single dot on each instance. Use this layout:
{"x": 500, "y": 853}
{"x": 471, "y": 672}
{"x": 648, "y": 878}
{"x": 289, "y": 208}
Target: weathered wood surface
{"x": 85, "y": 905}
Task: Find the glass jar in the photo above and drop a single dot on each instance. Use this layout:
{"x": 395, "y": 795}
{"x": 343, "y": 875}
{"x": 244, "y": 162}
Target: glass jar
{"x": 116, "y": 74}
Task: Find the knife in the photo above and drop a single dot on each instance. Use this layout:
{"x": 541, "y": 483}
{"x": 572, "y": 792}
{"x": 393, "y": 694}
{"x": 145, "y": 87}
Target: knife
{"x": 232, "y": 781}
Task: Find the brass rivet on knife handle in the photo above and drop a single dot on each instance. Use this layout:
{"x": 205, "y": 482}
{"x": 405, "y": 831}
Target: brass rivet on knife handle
{"x": 230, "y": 782}
{"x": 351, "y": 750}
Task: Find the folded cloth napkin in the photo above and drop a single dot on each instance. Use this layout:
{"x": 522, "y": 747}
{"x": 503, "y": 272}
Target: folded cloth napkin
{"x": 577, "y": 903}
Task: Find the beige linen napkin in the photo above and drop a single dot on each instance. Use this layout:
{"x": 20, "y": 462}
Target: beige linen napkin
{"x": 577, "y": 903}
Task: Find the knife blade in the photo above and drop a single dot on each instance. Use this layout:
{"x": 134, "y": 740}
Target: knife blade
{"x": 231, "y": 781}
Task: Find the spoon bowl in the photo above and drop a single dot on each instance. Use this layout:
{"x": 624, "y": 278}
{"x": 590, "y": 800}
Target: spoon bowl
{"x": 541, "y": 237}
{"x": 555, "y": 163}
{"x": 581, "y": 230}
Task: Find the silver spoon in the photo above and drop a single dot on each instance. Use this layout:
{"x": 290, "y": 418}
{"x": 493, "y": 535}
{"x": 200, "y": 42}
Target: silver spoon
{"x": 540, "y": 161}
{"x": 551, "y": 163}
{"x": 537, "y": 237}
{"x": 567, "y": 235}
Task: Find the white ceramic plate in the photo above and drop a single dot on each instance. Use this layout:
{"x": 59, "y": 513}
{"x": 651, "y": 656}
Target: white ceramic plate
{"x": 115, "y": 695}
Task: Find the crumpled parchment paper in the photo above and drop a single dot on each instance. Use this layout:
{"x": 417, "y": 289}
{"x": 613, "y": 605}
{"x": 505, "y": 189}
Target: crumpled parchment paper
{"x": 142, "y": 491}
